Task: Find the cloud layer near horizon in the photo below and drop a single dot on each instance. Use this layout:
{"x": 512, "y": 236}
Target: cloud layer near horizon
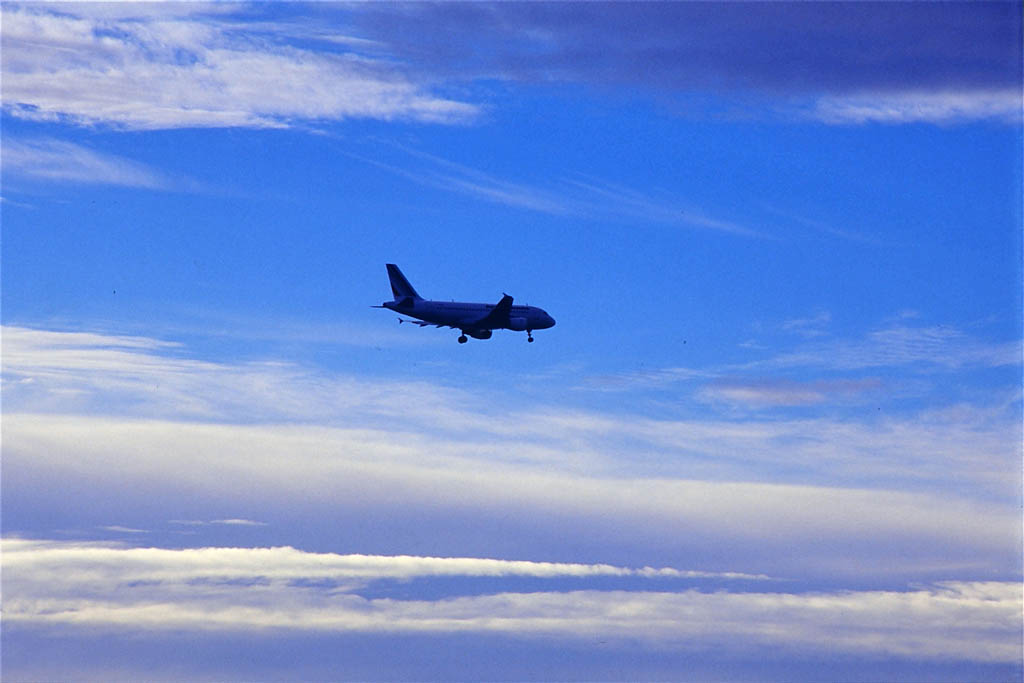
{"x": 142, "y": 422}
{"x": 427, "y": 510}
{"x": 99, "y": 586}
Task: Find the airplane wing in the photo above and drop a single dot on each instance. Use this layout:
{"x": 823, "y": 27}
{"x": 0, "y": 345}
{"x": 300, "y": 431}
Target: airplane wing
{"x": 497, "y": 317}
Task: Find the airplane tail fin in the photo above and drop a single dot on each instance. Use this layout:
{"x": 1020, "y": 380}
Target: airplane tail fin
{"x": 400, "y": 286}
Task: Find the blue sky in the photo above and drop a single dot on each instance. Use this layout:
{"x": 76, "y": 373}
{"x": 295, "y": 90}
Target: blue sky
{"x": 775, "y": 434}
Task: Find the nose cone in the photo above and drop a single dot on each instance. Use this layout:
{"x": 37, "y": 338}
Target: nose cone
{"x": 548, "y": 321}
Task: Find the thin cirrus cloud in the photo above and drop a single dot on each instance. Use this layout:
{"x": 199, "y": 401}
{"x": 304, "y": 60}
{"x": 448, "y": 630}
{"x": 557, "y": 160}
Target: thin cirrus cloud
{"x": 47, "y": 371}
{"x": 224, "y": 522}
{"x": 813, "y": 326}
{"x": 782, "y": 392}
{"x": 910, "y": 349}
{"x": 52, "y": 160}
{"x": 445, "y": 175}
{"x": 941, "y": 347}
{"x": 579, "y": 196}
{"x": 65, "y": 585}
{"x": 123, "y": 529}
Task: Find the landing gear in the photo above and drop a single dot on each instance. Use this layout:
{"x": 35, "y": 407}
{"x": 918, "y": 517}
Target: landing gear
{"x": 529, "y": 336}
{"x": 462, "y": 339}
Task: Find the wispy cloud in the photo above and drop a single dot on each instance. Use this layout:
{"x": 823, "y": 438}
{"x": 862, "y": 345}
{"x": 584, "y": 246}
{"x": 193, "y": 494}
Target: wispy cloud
{"x": 579, "y": 196}
{"x": 653, "y": 378}
{"x": 783, "y": 392}
{"x": 149, "y": 69}
{"x": 446, "y": 175}
{"x": 903, "y": 345}
{"x": 223, "y": 522}
{"x": 56, "y": 160}
{"x": 238, "y": 522}
{"x": 602, "y": 197}
{"x": 916, "y": 107}
{"x": 136, "y": 377}
{"x": 824, "y": 228}
{"x": 64, "y": 585}
{"x": 898, "y": 345}
{"x": 44, "y": 370}
{"x": 814, "y": 326}
{"x": 123, "y": 529}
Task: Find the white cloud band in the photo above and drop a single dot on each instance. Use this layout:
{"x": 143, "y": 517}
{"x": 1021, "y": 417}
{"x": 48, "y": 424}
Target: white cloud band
{"x": 233, "y": 589}
{"x": 921, "y": 107}
{"x": 71, "y": 563}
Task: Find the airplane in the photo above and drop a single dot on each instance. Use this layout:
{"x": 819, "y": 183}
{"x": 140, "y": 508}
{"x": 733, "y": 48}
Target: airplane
{"x": 475, "y": 320}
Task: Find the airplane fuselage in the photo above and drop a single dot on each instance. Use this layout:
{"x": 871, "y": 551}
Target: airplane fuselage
{"x": 474, "y": 319}
{"x": 464, "y": 316}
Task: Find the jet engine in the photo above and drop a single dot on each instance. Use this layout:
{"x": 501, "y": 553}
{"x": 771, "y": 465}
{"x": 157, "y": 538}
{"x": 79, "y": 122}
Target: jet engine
{"x": 480, "y": 334}
{"x": 517, "y": 324}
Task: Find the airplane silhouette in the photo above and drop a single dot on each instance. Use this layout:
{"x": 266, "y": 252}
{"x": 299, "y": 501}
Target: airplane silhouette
{"x": 476, "y": 320}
